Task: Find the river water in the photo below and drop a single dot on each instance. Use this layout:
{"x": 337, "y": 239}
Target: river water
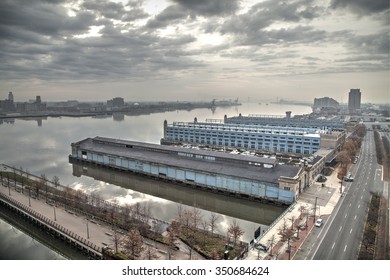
{"x": 43, "y": 146}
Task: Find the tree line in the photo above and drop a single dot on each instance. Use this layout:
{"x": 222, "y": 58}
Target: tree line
{"x": 132, "y": 224}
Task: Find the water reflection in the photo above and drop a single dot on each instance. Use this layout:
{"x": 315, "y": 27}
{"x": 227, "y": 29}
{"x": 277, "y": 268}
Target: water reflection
{"x": 45, "y": 150}
{"x": 16, "y": 245}
{"x": 252, "y": 213}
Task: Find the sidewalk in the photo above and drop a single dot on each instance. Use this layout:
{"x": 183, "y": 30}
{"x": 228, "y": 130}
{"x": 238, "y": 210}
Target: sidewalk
{"x": 301, "y": 215}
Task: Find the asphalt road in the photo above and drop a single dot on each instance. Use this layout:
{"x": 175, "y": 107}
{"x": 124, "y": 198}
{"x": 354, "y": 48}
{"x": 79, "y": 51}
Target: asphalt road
{"x": 340, "y": 236}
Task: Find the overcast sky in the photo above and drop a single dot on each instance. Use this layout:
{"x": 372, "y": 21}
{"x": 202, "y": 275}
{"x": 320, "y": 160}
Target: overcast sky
{"x": 194, "y": 49}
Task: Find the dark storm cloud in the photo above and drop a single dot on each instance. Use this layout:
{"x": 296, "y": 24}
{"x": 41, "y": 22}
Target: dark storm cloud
{"x": 373, "y": 44}
{"x": 38, "y": 41}
{"x": 113, "y": 10}
{"x": 264, "y": 14}
{"x": 362, "y": 7}
{"x": 169, "y": 15}
{"x": 110, "y": 10}
{"x": 183, "y": 9}
{"x": 43, "y": 17}
{"x": 252, "y": 28}
{"x": 207, "y": 8}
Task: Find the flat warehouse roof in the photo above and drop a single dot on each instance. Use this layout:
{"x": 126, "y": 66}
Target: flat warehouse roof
{"x": 224, "y": 163}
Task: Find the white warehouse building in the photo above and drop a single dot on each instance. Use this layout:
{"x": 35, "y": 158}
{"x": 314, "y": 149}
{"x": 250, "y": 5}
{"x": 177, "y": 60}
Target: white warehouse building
{"x": 257, "y": 137}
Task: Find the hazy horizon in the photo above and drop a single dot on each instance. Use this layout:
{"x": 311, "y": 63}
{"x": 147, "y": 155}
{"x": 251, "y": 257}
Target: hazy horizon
{"x": 187, "y": 50}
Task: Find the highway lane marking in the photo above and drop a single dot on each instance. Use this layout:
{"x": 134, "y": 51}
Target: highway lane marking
{"x": 355, "y": 217}
{"x": 334, "y": 243}
{"x": 358, "y": 206}
{"x": 350, "y": 231}
{"x": 361, "y": 197}
{"x": 345, "y": 248}
{"x": 340, "y": 228}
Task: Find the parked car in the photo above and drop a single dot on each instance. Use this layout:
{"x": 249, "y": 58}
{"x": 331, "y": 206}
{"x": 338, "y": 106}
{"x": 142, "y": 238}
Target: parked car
{"x": 261, "y": 246}
{"x": 348, "y": 178}
{"x": 318, "y": 223}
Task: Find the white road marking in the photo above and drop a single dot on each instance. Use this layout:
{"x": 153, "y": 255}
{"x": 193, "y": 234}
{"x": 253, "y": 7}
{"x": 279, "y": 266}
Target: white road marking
{"x": 334, "y": 243}
{"x": 358, "y": 206}
{"x": 340, "y": 228}
{"x": 350, "y": 231}
{"x": 345, "y": 248}
{"x": 355, "y": 217}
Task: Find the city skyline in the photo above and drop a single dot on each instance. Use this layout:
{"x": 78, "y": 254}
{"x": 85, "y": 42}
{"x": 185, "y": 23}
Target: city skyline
{"x": 194, "y": 50}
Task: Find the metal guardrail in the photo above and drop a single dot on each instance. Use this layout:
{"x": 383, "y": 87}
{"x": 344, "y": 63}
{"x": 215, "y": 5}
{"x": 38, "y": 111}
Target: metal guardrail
{"x": 51, "y": 224}
{"x": 274, "y": 222}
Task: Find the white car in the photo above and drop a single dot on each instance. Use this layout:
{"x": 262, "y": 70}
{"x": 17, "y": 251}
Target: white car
{"x": 318, "y": 223}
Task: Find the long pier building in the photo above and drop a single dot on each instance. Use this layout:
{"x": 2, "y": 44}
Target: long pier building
{"x": 246, "y": 176}
{"x": 322, "y": 123}
{"x": 256, "y": 137}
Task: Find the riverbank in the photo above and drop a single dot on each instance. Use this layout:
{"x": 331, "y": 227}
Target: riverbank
{"x": 107, "y": 225}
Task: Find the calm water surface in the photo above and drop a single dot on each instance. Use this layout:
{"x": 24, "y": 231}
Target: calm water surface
{"x": 42, "y": 147}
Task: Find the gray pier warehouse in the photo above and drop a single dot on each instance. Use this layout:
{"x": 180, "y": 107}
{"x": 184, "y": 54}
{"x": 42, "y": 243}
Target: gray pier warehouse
{"x": 247, "y": 176}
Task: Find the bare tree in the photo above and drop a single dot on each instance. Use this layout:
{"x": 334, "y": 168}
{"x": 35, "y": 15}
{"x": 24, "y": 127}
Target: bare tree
{"x": 137, "y": 211}
{"x": 43, "y": 183}
{"x": 146, "y": 213}
{"x": 271, "y": 243}
{"x": 186, "y": 218}
{"x": 56, "y": 181}
{"x": 205, "y": 225}
{"x": 285, "y": 232}
{"x": 151, "y": 253}
{"x": 343, "y": 158}
{"x": 235, "y": 231}
{"x": 180, "y": 211}
{"x": 292, "y": 219}
{"x": 302, "y": 210}
{"x": 213, "y": 222}
{"x": 299, "y": 228}
{"x": 350, "y": 147}
{"x": 158, "y": 227}
{"x": 171, "y": 239}
{"x": 133, "y": 243}
{"x": 196, "y": 217}
{"x": 116, "y": 239}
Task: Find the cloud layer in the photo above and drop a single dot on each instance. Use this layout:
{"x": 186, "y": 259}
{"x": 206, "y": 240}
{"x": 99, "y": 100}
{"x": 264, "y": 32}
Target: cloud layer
{"x": 183, "y": 40}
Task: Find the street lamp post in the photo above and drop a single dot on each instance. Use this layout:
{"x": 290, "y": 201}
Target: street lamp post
{"x": 29, "y": 197}
{"x": 87, "y": 230}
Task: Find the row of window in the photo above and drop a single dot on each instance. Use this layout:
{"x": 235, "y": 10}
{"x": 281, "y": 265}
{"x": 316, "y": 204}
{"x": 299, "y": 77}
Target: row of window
{"x": 279, "y": 147}
{"x": 232, "y": 139}
{"x": 256, "y": 130}
{"x": 196, "y": 156}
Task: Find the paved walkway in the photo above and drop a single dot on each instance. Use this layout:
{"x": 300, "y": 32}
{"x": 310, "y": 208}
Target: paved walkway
{"x": 99, "y": 234}
{"x": 319, "y": 197}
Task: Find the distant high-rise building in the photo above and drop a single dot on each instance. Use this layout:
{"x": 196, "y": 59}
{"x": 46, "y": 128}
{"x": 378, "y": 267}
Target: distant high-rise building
{"x": 7, "y": 105}
{"x": 116, "y": 102}
{"x": 38, "y": 99}
{"x": 325, "y": 102}
{"x": 354, "y": 100}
